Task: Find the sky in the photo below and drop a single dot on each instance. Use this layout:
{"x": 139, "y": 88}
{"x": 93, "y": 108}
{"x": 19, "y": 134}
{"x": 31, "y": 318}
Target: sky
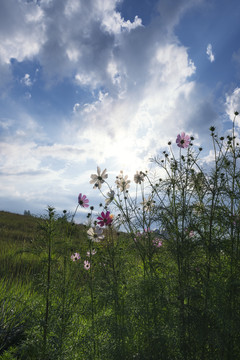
{"x": 107, "y": 83}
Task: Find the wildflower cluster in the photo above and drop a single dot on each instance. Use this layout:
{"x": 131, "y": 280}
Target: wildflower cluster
{"x": 86, "y": 264}
{"x": 129, "y": 209}
{"x": 94, "y": 233}
{"x": 148, "y": 240}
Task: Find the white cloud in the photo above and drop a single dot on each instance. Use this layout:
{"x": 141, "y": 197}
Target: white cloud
{"x": 26, "y": 80}
{"x": 76, "y": 107}
{"x": 233, "y": 104}
{"x": 21, "y": 30}
{"x": 115, "y": 24}
{"x": 5, "y": 76}
{"x": 82, "y": 38}
{"x": 209, "y": 52}
{"x": 132, "y": 128}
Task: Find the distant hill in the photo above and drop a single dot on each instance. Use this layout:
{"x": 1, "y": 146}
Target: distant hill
{"x": 15, "y": 227}
{"x": 16, "y": 233}
{"x": 18, "y": 228}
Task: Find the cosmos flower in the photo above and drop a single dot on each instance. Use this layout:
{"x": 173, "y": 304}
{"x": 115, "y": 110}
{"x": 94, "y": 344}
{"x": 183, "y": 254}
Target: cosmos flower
{"x": 93, "y": 252}
{"x": 86, "y": 264}
{"x": 139, "y": 177}
{"x": 95, "y": 234}
{"x": 122, "y": 182}
{"x": 147, "y": 204}
{"x": 110, "y": 197}
{"x": 99, "y": 178}
{"x": 183, "y": 140}
{"x": 157, "y": 242}
{"x": 75, "y": 257}
{"x": 83, "y": 201}
{"x": 105, "y": 219}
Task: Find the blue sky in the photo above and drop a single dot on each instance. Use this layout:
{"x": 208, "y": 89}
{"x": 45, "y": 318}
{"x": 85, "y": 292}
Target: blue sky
{"x": 108, "y": 83}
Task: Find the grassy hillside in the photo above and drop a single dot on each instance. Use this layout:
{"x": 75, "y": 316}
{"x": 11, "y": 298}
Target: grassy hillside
{"x": 21, "y": 244}
{"x": 17, "y": 228}
{"x": 16, "y": 232}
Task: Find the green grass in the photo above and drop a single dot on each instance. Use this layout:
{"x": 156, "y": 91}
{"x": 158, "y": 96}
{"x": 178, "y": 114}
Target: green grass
{"x": 17, "y": 232}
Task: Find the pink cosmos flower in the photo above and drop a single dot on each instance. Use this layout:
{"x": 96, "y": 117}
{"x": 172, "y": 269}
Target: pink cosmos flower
{"x": 86, "y": 265}
{"x": 157, "y": 242}
{"x": 83, "y": 201}
{"x": 75, "y": 257}
{"x": 183, "y": 140}
{"x": 105, "y": 219}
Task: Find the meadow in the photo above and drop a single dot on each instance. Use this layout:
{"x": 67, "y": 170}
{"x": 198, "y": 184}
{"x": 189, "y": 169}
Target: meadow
{"x": 154, "y": 274}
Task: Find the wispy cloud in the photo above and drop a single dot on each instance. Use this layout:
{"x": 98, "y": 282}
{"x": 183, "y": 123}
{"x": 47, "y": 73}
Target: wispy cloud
{"x": 210, "y": 54}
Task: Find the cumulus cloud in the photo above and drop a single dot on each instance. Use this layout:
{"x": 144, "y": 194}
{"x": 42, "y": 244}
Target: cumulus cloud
{"x": 81, "y": 37}
{"x": 233, "y": 103}
{"x": 89, "y": 39}
{"x": 21, "y": 35}
{"x": 21, "y": 30}
{"x": 209, "y": 52}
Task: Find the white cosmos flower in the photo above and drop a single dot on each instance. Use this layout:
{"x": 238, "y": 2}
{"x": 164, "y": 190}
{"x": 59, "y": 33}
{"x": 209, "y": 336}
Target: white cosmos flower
{"x": 98, "y": 179}
{"x": 110, "y": 197}
{"x": 95, "y": 234}
{"x": 122, "y": 182}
